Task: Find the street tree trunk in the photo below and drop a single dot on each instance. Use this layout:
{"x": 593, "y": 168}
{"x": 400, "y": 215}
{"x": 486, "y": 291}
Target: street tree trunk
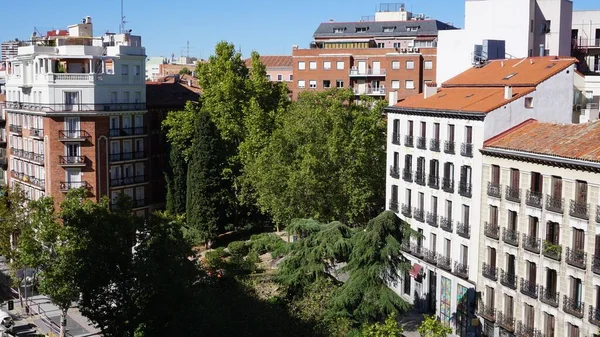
{"x": 63, "y": 322}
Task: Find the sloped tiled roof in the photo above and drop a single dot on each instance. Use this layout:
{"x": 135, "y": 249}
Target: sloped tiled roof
{"x": 375, "y": 28}
{"x": 171, "y": 95}
{"x": 274, "y": 61}
{"x": 573, "y": 141}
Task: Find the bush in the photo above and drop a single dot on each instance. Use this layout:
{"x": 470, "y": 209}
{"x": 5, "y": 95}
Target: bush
{"x": 253, "y": 257}
{"x": 238, "y": 248}
{"x": 266, "y": 242}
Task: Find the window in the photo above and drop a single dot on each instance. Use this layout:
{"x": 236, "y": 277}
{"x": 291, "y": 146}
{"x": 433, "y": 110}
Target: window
{"x": 434, "y": 204}
{"x": 514, "y": 178}
{"x": 493, "y": 215}
{"x": 409, "y": 84}
{"x": 578, "y": 240}
{"x": 327, "y": 65}
{"x": 338, "y": 30}
{"x": 291, "y": 77}
{"x": 395, "y": 65}
{"x": 407, "y": 197}
{"x": 451, "y": 132}
{"x": 464, "y": 255}
{"x": 280, "y": 78}
{"x": 529, "y": 316}
{"x": 397, "y": 44}
{"x": 268, "y": 77}
{"x": 388, "y": 29}
{"x": 529, "y": 102}
{"x": 410, "y": 65}
{"x": 395, "y": 84}
{"x": 339, "y": 84}
{"x": 339, "y": 65}
{"x": 433, "y": 242}
{"x": 312, "y": 65}
{"x": 512, "y": 221}
{"x": 361, "y": 29}
{"x": 428, "y": 65}
{"x": 495, "y": 175}
{"x": 301, "y": 65}
{"x": 412, "y": 28}
{"x": 545, "y": 27}
{"x": 124, "y": 69}
{"x": 436, "y": 131}
{"x": 137, "y": 70}
{"x": 447, "y": 247}
{"x": 552, "y": 232}
{"x": 380, "y": 45}
{"x": 556, "y": 187}
{"x": 409, "y": 129}
{"x": 468, "y": 134}
{"x": 301, "y": 84}
{"x": 406, "y": 281}
{"x": 581, "y": 188}
{"x": 548, "y": 325}
{"x": 449, "y": 210}
{"x": 573, "y": 330}
{"x": 326, "y": 84}
{"x": 420, "y": 200}
{"x": 312, "y": 84}
{"x": 434, "y": 167}
{"x": 423, "y": 129}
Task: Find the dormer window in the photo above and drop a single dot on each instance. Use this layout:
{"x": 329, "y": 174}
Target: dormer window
{"x": 412, "y": 28}
{"x": 338, "y": 30}
{"x": 361, "y": 29}
{"x": 388, "y": 29}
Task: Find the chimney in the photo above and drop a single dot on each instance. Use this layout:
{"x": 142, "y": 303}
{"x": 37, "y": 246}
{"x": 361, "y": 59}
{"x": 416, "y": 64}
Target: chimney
{"x": 294, "y": 47}
{"x": 508, "y": 92}
{"x": 429, "y": 90}
{"x": 393, "y": 98}
{"x": 542, "y": 50}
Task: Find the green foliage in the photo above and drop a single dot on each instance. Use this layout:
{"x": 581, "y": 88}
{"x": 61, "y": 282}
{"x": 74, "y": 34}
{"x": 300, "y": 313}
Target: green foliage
{"x": 432, "y": 327}
{"x": 13, "y": 219}
{"x": 238, "y": 248}
{"x": 266, "y": 242}
{"x": 389, "y": 328}
{"x": 322, "y": 161}
{"x": 303, "y": 227}
{"x": 185, "y": 71}
{"x": 176, "y": 182}
{"x": 181, "y": 127}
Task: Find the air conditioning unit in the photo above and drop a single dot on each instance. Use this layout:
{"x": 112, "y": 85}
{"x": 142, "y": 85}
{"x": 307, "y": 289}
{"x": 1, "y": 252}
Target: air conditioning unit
{"x": 410, "y": 49}
{"x": 404, "y": 50}
{"x": 416, "y": 50}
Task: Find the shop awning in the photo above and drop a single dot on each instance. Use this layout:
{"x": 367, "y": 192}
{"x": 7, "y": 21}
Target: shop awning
{"x": 415, "y": 270}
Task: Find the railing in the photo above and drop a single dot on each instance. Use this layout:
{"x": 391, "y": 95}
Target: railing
{"x": 508, "y": 280}
{"x": 448, "y": 185}
{"x": 573, "y": 306}
{"x": 525, "y": 331}
{"x": 114, "y": 182}
{"x": 394, "y": 205}
{"x": 73, "y": 134}
{"x": 420, "y": 177}
{"x": 406, "y": 210}
{"x": 579, "y": 210}
{"x": 596, "y": 264}
{"x": 489, "y": 271}
{"x": 594, "y": 316}
{"x": 421, "y": 143}
{"x": 67, "y": 186}
{"x": 394, "y": 172}
{"x": 396, "y": 138}
{"x": 487, "y": 311}
{"x": 433, "y": 181}
{"x": 551, "y": 250}
{"x": 15, "y": 128}
{"x": 419, "y": 214}
{"x": 407, "y": 175}
{"x": 513, "y": 194}
{"x": 449, "y": 147}
{"x": 491, "y": 230}
{"x": 446, "y": 224}
{"x": 416, "y": 250}
{"x": 367, "y": 72}
{"x": 554, "y": 204}
{"x": 464, "y": 189}
{"x": 493, "y": 190}
{"x": 461, "y": 270}
{"x": 71, "y": 160}
{"x": 505, "y": 321}
{"x": 125, "y": 132}
{"x": 444, "y": 262}
{"x": 529, "y": 288}
{"x": 57, "y": 107}
{"x": 586, "y": 42}
{"x": 123, "y": 156}
{"x": 38, "y": 133}
{"x": 434, "y": 145}
{"x": 466, "y": 150}
{"x": 510, "y": 236}
{"x": 463, "y": 229}
{"x": 576, "y": 258}
{"x": 549, "y": 296}
{"x": 432, "y": 219}
{"x": 531, "y": 243}
{"x": 533, "y": 199}
{"x": 37, "y": 157}
{"x": 429, "y": 256}
{"x": 408, "y": 141}
{"x": 369, "y": 91}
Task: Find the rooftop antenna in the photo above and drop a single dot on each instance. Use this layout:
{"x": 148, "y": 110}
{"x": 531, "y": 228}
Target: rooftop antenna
{"x": 187, "y": 49}
{"x": 122, "y": 26}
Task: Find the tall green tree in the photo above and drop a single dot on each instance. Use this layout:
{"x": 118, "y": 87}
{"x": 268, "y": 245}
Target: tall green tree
{"x": 180, "y": 127}
{"x": 176, "y": 180}
{"x": 325, "y": 160}
{"x": 13, "y": 218}
{"x": 207, "y": 191}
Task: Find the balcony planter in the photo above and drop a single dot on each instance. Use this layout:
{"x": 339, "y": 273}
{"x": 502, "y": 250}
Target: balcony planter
{"x": 551, "y": 250}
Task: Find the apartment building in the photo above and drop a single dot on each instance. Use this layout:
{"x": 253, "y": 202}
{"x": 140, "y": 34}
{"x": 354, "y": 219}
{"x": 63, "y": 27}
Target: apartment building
{"x": 279, "y": 67}
{"x": 586, "y": 48}
{"x": 394, "y": 52}
{"x": 540, "y": 245}
{"x": 435, "y": 170}
{"x": 3, "y": 154}
{"x": 76, "y": 115}
{"x": 9, "y": 50}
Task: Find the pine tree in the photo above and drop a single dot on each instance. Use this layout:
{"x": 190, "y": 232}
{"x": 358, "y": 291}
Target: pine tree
{"x": 176, "y": 182}
{"x": 206, "y": 197}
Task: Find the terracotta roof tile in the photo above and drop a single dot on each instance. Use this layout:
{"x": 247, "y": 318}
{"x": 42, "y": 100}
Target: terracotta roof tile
{"x": 574, "y": 141}
{"x": 529, "y": 71}
{"x": 274, "y": 61}
{"x": 470, "y": 99}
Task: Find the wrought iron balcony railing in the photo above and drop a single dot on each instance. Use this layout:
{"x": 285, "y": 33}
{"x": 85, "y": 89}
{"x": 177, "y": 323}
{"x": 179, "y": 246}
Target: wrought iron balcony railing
{"x": 464, "y": 189}
{"x": 573, "y": 306}
{"x": 449, "y": 147}
{"x": 422, "y": 143}
{"x": 596, "y": 264}
{"x": 461, "y": 270}
{"x": 67, "y": 186}
{"x": 529, "y": 288}
{"x": 71, "y": 135}
{"x": 432, "y": 219}
{"x": 448, "y": 185}
{"x": 433, "y": 181}
{"x": 513, "y": 194}
{"x": 463, "y": 229}
{"x": 127, "y": 132}
{"x": 554, "y": 204}
{"x": 36, "y": 133}
{"x": 466, "y": 150}
{"x": 491, "y": 230}
{"x": 505, "y": 321}
{"x": 429, "y": 256}
{"x": 446, "y": 224}
{"x": 419, "y": 214}
{"x": 579, "y": 210}
{"x": 407, "y": 175}
{"x": 122, "y": 181}
{"x": 531, "y": 244}
{"x": 394, "y": 205}
{"x": 549, "y": 296}
{"x": 525, "y": 331}
{"x": 489, "y": 271}
{"x": 493, "y": 190}
{"x": 594, "y": 316}
{"x": 487, "y": 311}
{"x": 394, "y": 172}
{"x": 396, "y": 138}
{"x": 434, "y": 145}
{"x": 510, "y": 236}
{"x": 508, "y": 280}
{"x": 406, "y": 210}
{"x": 408, "y": 141}
{"x": 533, "y": 199}
{"x": 420, "y": 177}
{"x": 551, "y": 250}
{"x": 576, "y": 258}
{"x": 444, "y": 262}
{"x": 416, "y": 250}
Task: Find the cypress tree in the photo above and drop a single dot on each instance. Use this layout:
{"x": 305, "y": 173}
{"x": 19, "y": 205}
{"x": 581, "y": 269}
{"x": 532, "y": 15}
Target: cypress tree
{"x": 176, "y": 182}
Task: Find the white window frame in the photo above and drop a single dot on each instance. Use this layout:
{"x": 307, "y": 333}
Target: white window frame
{"x": 395, "y": 65}
{"x": 339, "y": 65}
{"x": 301, "y": 65}
{"x": 312, "y": 65}
{"x": 410, "y": 64}
{"x": 301, "y": 84}
{"x": 312, "y": 84}
{"x": 409, "y": 84}
{"x": 428, "y": 65}
{"x": 327, "y": 65}
{"x": 395, "y": 84}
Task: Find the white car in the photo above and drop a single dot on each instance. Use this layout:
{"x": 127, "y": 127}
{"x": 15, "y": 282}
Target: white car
{"x": 6, "y": 322}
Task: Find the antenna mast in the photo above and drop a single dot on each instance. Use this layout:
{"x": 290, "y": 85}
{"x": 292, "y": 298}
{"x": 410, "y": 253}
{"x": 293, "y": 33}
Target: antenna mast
{"x": 122, "y": 26}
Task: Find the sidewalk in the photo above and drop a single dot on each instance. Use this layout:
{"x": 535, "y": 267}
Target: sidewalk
{"x": 46, "y": 317}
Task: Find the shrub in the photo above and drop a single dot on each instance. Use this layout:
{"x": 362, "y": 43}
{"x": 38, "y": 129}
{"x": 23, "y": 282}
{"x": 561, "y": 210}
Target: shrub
{"x": 238, "y": 248}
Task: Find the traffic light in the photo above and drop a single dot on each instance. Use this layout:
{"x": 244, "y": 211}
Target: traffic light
{"x": 11, "y": 305}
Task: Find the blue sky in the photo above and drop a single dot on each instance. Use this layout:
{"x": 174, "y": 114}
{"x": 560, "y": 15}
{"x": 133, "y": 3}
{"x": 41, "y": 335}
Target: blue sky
{"x": 270, "y": 27}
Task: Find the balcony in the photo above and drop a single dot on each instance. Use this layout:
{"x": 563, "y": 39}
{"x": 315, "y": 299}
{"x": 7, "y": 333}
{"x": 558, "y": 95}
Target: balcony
{"x": 491, "y": 230}
{"x": 579, "y": 210}
{"x": 408, "y": 141}
{"x": 432, "y": 219}
{"x": 72, "y": 161}
{"x": 36, "y": 157}
{"x": 531, "y": 244}
{"x": 549, "y": 296}
{"x": 594, "y": 316}
{"x": 490, "y": 272}
{"x": 506, "y": 322}
{"x": 464, "y": 189}
{"x": 584, "y": 42}
{"x": 576, "y": 258}
{"x": 73, "y": 135}
{"x": 446, "y": 224}
{"x": 420, "y": 178}
{"x": 551, "y": 250}
{"x": 422, "y": 143}
{"x": 449, "y": 147}
{"x": 598, "y": 214}
{"x": 433, "y": 181}
{"x": 127, "y": 132}
{"x": 394, "y": 205}
{"x": 448, "y": 185}
{"x": 533, "y": 199}
{"x": 419, "y": 215}
{"x": 356, "y": 72}
{"x": 434, "y": 145}
{"x": 463, "y": 230}
{"x": 416, "y": 250}
{"x": 461, "y": 270}
{"x": 396, "y": 138}
{"x": 67, "y": 186}
{"x": 61, "y": 107}
{"x": 36, "y": 133}
{"x": 573, "y": 306}
{"x": 513, "y": 194}
{"x": 510, "y": 236}
{"x": 596, "y": 264}
{"x": 488, "y": 312}
{"x": 525, "y": 331}
{"x": 125, "y": 156}
{"x": 554, "y": 204}
{"x": 493, "y": 190}
{"x": 406, "y": 210}
{"x": 508, "y": 280}
{"x": 429, "y": 256}
{"x": 529, "y": 288}
{"x": 407, "y": 175}
{"x": 16, "y": 129}
{"x": 444, "y": 262}
{"x": 405, "y": 246}
{"x": 123, "y": 181}
{"x": 376, "y": 91}
{"x": 466, "y": 150}
{"x": 395, "y": 172}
